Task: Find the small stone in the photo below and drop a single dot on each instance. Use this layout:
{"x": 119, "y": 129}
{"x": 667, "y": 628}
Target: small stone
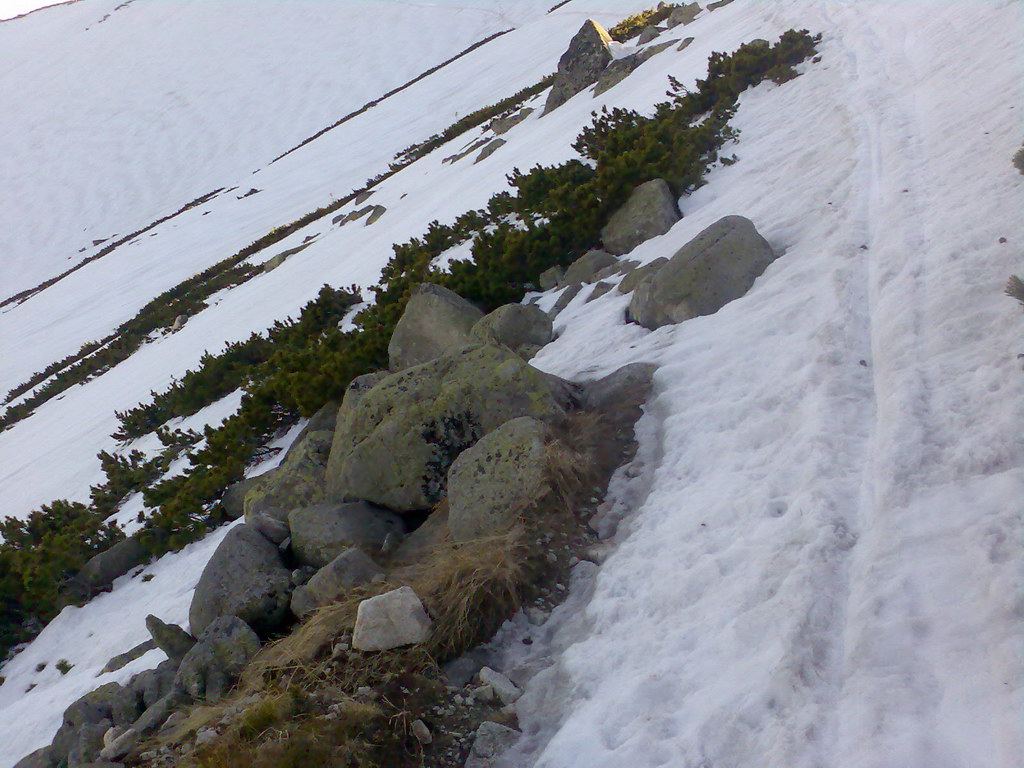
{"x": 421, "y": 732}
{"x": 490, "y": 741}
{"x": 205, "y": 736}
{"x": 504, "y": 689}
{"x": 391, "y": 620}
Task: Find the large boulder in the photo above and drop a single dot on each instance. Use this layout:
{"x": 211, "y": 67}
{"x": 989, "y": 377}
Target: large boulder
{"x": 320, "y": 533}
{"x": 297, "y": 482}
{"x": 244, "y": 578}
{"x": 716, "y": 267}
{"x": 391, "y": 620}
{"x": 349, "y": 569}
{"x": 587, "y": 266}
{"x": 650, "y": 211}
{"x": 490, "y": 484}
{"x": 523, "y": 328}
{"x": 589, "y": 52}
{"x": 215, "y": 663}
{"x": 436, "y": 321}
{"x": 169, "y": 638}
{"x": 637, "y": 275}
{"x": 403, "y": 435}
{"x": 94, "y": 707}
{"x": 233, "y": 500}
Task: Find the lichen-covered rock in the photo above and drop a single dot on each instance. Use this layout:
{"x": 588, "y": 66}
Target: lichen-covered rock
{"x": 490, "y": 484}
{"x": 650, "y": 211}
{"x": 522, "y": 328}
{"x": 589, "y": 52}
{"x": 320, "y": 533}
{"x": 215, "y": 662}
{"x": 297, "y": 482}
{"x": 403, "y": 435}
{"x": 349, "y": 569}
{"x": 244, "y": 578}
{"x": 716, "y": 267}
{"x": 586, "y": 267}
{"x": 391, "y": 620}
{"x": 122, "y": 659}
{"x": 636, "y": 276}
{"x": 94, "y": 707}
{"x": 436, "y": 322}
{"x": 41, "y": 758}
{"x": 170, "y": 638}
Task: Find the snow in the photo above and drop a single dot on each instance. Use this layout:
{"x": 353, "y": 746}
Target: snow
{"x": 817, "y": 550}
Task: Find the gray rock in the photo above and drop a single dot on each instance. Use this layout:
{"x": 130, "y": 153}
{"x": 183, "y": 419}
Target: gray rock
{"x": 41, "y": 758}
{"x": 270, "y": 528}
{"x": 322, "y": 532}
{"x": 620, "y": 69}
{"x": 588, "y": 54}
{"x": 684, "y": 14}
{"x": 500, "y": 125}
{"x": 685, "y": 44}
{"x": 630, "y": 383}
{"x": 716, "y": 267}
{"x": 297, "y": 482}
{"x": 506, "y": 691}
{"x": 244, "y": 578}
{"x": 214, "y": 664}
{"x": 119, "y": 661}
{"x": 101, "y": 570}
{"x": 391, "y": 620}
{"x": 363, "y": 196}
{"x": 600, "y": 289}
{"x": 404, "y": 433}
{"x": 638, "y": 275}
{"x": 233, "y": 500}
{"x": 490, "y": 741}
{"x": 149, "y": 687}
{"x": 492, "y": 483}
{"x": 650, "y": 211}
{"x": 376, "y": 212}
{"x": 522, "y": 328}
{"x": 648, "y": 34}
{"x": 586, "y": 267}
{"x": 349, "y": 569}
{"x": 719, "y": 4}
{"x": 88, "y": 744}
{"x": 323, "y": 420}
{"x": 566, "y": 297}
{"x": 170, "y": 638}
{"x": 436, "y": 322}
{"x": 421, "y": 732}
{"x": 489, "y": 149}
{"x": 157, "y": 713}
{"x": 551, "y": 277}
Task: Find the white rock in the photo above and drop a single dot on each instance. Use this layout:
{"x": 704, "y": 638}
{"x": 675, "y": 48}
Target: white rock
{"x": 504, "y": 689}
{"x": 421, "y": 732}
{"x": 391, "y": 620}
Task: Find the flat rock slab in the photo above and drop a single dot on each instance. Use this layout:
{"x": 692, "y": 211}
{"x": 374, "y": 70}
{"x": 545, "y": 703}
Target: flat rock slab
{"x": 391, "y": 620}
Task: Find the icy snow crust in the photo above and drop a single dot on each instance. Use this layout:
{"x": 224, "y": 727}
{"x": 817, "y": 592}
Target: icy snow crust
{"x": 819, "y": 555}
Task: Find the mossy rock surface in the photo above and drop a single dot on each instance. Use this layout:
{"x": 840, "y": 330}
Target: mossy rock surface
{"x": 436, "y": 322}
{"x": 404, "y": 433}
{"x": 298, "y": 482}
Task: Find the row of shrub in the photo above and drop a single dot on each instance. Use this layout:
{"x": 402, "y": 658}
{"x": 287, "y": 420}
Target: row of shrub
{"x": 631, "y": 26}
{"x": 552, "y": 215}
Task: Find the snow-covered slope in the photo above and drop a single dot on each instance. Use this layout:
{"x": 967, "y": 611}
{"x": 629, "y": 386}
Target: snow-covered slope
{"x": 819, "y": 557}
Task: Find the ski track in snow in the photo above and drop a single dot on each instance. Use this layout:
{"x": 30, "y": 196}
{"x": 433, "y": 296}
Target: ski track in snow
{"x": 818, "y": 554}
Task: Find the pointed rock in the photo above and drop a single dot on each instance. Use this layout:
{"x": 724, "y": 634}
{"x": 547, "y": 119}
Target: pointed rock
{"x": 582, "y": 63}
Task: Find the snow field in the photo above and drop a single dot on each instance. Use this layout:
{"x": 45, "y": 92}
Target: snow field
{"x": 818, "y": 553}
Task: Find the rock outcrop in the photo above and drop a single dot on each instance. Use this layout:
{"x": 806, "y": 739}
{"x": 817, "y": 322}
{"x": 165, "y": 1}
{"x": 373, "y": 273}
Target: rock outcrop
{"x": 650, "y": 211}
{"x": 716, "y": 267}
{"x": 490, "y": 484}
{"x": 522, "y": 328}
{"x": 404, "y": 433}
{"x": 322, "y": 532}
{"x": 390, "y": 620}
{"x": 244, "y": 578}
{"x": 214, "y": 664}
{"x": 436, "y": 322}
{"x": 170, "y": 638}
{"x": 588, "y": 54}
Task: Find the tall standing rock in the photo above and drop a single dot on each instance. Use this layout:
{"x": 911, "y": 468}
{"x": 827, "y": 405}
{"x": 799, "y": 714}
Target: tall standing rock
{"x": 436, "y": 321}
{"x": 716, "y": 267}
{"x": 583, "y": 62}
{"x": 650, "y": 211}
